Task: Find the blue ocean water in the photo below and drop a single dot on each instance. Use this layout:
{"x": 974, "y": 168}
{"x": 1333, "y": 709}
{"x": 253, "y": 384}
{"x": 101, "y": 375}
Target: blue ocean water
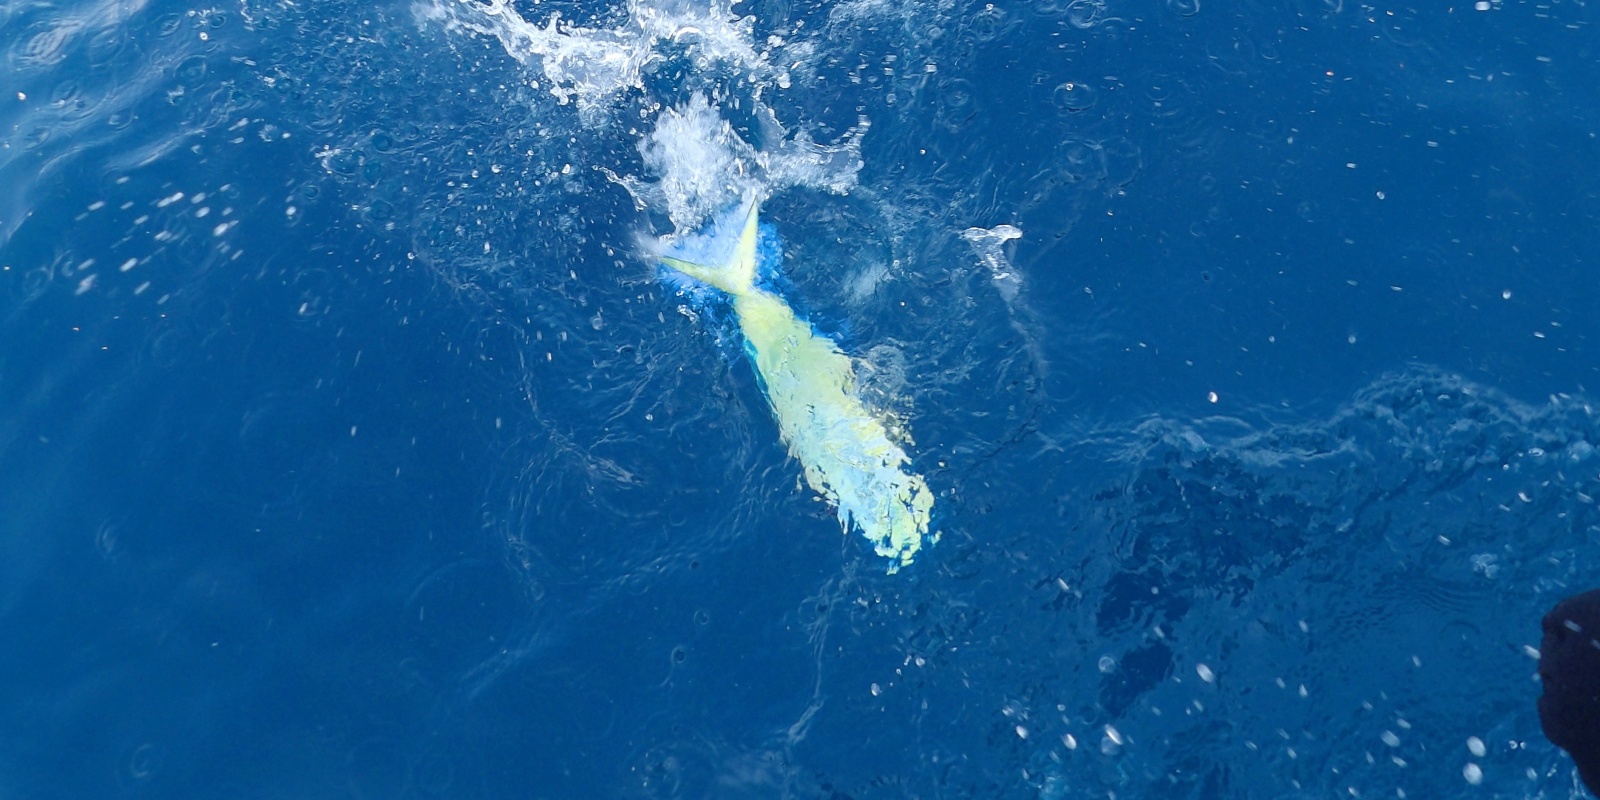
{"x": 353, "y": 446}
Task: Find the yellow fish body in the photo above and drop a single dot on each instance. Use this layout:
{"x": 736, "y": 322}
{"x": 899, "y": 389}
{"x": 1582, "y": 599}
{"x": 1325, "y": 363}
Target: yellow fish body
{"x": 845, "y": 449}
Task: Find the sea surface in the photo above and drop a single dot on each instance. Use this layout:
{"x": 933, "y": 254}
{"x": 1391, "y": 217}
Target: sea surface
{"x": 353, "y": 443}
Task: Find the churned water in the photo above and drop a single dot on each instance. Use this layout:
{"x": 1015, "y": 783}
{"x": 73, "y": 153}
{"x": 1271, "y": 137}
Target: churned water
{"x": 352, "y": 444}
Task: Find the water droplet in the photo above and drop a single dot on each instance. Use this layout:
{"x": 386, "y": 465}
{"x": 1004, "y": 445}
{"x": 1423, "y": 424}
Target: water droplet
{"x": 1074, "y": 96}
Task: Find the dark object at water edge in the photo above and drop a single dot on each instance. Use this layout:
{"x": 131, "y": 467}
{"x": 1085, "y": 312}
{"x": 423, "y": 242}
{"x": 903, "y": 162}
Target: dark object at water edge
{"x": 1569, "y": 667}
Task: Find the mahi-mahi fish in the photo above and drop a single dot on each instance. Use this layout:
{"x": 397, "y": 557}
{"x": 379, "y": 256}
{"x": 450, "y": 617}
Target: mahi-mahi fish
{"x": 845, "y": 449}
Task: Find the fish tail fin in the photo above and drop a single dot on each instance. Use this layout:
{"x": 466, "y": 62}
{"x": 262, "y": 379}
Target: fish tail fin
{"x": 737, "y": 275}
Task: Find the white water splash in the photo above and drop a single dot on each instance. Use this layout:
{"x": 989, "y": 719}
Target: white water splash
{"x": 695, "y": 162}
{"x": 990, "y": 244}
{"x": 702, "y": 165}
{"x": 591, "y": 66}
